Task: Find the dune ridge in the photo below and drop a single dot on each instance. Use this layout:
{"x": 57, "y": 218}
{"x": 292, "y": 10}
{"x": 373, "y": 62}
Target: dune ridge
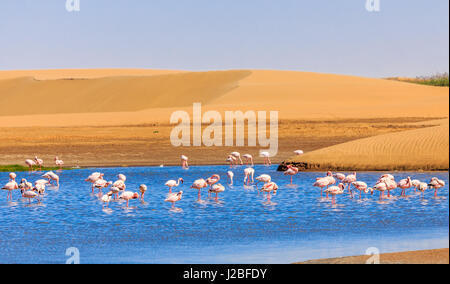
{"x": 425, "y": 149}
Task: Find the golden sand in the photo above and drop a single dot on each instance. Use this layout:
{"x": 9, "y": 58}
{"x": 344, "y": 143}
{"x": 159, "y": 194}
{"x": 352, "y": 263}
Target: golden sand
{"x": 438, "y": 256}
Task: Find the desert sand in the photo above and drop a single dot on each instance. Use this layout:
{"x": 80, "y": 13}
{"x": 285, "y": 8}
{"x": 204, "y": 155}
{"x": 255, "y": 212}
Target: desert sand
{"x": 438, "y": 256}
{"x": 117, "y": 117}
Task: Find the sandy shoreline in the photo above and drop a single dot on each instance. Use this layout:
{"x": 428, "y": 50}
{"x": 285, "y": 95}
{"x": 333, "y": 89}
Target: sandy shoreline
{"x": 437, "y": 256}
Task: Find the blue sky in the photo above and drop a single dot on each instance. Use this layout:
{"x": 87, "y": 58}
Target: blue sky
{"x": 406, "y": 38}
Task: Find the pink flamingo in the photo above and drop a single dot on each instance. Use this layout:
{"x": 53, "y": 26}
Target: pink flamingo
{"x": 422, "y": 187}
{"x": 268, "y": 188}
{"x": 101, "y": 184}
{"x": 340, "y": 177}
{"x": 436, "y": 184}
{"x": 266, "y": 156}
{"x": 212, "y": 181}
{"x": 142, "y": 190}
{"x": 51, "y": 176}
{"x": 231, "y": 160}
{"x": 291, "y": 171}
{"x": 174, "y": 197}
{"x": 59, "y": 163}
{"x": 172, "y": 183}
{"x": 230, "y": 176}
{"x": 106, "y": 199}
{"x": 348, "y": 180}
{"x": 264, "y": 179}
{"x": 381, "y": 187}
{"x": 249, "y": 176}
{"x": 10, "y": 186}
{"x": 12, "y": 176}
{"x": 30, "y": 163}
{"x": 39, "y": 162}
{"x": 93, "y": 178}
{"x": 25, "y": 186}
{"x": 321, "y": 182}
{"x": 361, "y": 186}
{"x": 128, "y": 195}
{"x": 184, "y": 162}
{"x": 248, "y": 160}
{"x": 217, "y": 188}
{"x": 404, "y": 184}
{"x": 29, "y": 194}
{"x": 335, "y": 190}
{"x": 237, "y": 155}
{"x": 391, "y": 185}
{"x": 415, "y": 183}
{"x": 199, "y": 185}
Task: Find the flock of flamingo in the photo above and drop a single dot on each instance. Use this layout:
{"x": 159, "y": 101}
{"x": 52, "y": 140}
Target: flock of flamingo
{"x": 332, "y": 184}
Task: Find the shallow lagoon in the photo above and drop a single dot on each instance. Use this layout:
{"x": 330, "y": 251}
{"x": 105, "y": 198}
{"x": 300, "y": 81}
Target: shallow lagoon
{"x": 240, "y": 228}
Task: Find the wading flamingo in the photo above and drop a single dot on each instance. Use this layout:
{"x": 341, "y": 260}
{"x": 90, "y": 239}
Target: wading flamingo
{"x": 184, "y": 162}
{"x": 381, "y": 187}
{"x": 266, "y": 156}
{"x": 101, "y": 184}
{"x": 217, "y": 188}
{"x": 362, "y": 187}
{"x": 348, "y": 180}
{"x": 174, "y": 197}
{"x": 269, "y": 188}
{"x": 264, "y": 179}
{"x": 199, "y": 185}
{"x": 106, "y": 199}
{"x": 335, "y": 190}
{"x": 237, "y": 155}
{"x": 404, "y": 184}
{"x": 231, "y": 160}
{"x": 415, "y": 183}
{"x": 51, "y": 176}
{"x": 391, "y": 185}
{"x": 59, "y": 163}
{"x": 230, "y": 176}
{"x": 172, "y": 183}
{"x": 39, "y": 162}
{"x": 29, "y": 194}
{"x": 321, "y": 182}
{"x": 10, "y": 186}
{"x": 122, "y": 177}
{"x": 291, "y": 171}
{"x": 340, "y": 177}
{"x": 30, "y": 163}
{"x": 436, "y": 184}
{"x": 93, "y": 178}
{"x": 142, "y": 190}
{"x": 422, "y": 187}
{"x": 212, "y": 181}
{"x": 119, "y": 186}
{"x": 25, "y": 186}
{"x": 12, "y": 176}
{"x": 248, "y": 160}
{"x": 128, "y": 195}
{"x": 249, "y": 176}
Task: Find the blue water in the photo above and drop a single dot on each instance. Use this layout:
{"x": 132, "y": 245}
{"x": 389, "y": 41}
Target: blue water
{"x": 241, "y": 228}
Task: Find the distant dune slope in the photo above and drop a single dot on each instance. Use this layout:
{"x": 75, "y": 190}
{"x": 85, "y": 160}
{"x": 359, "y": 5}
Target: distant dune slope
{"x": 426, "y": 149}
{"x": 110, "y": 96}
{"x": 114, "y": 94}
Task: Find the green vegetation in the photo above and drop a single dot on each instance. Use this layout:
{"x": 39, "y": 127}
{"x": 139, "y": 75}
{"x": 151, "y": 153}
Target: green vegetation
{"x": 19, "y": 168}
{"x": 438, "y": 80}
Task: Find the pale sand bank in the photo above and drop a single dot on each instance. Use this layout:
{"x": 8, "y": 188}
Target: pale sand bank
{"x": 438, "y": 256}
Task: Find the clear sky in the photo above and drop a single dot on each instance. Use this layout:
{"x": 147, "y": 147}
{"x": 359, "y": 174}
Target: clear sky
{"x": 406, "y": 38}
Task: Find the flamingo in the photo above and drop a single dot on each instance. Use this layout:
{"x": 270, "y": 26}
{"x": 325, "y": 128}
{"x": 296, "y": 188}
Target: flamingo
{"x": 39, "y": 162}
{"x": 266, "y": 156}
{"x": 231, "y": 159}
{"x": 340, "y": 176}
{"x": 184, "y": 162}
{"x": 93, "y": 178}
{"x": 422, "y": 187}
{"x": 248, "y": 159}
{"x": 30, "y": 163}
{"x": 321, "y": 182}
{"x": 415, "y": 183}
{"x": 264, "y": 179}
{"x": 29, "y": 194}
{"x": 249, "y": 174}
{"x": 174, "y": 197}
{"x": 12, "y": 176}
{"x": 212, "y": 181}
{"x": 106, "y": 199}
{"x": 335, "y": 190}
{"x": 39, "y": 187}
{"x": 172, "y": 183}
{"x": 59, "y": 163}
{"x": 51, "y": 176}
{"x": 361, "y": 186}
{"x": 143, "y": 190}
{"x": 404, "y": 184}
{"x": 230, "y": 176}
{"x": 217, "y": 188}
{"x": 10, "y": 186}
{"x": 101, "y": 184}
{"x": 436, "y": 184}
{"x": 291, "y": 171}
{"x": 25, "y": 186}
{"x": 237, "y": 155}
{"x": 128, "y": 195}
{"x": 381, "y": 187}
{"x": 268, "y": 188}
{"x": 348, "y": 180}
{"x": 298, "y": 152}
{"x": 391, "y": 185}
{"x": 122, "y": 177}
{"x": 199, "y": 185}
{"x": 120, "y": 184}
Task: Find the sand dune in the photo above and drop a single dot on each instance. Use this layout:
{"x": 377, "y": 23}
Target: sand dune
{"x": 426, "y": 149}
{"x": 296, "y": 95}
